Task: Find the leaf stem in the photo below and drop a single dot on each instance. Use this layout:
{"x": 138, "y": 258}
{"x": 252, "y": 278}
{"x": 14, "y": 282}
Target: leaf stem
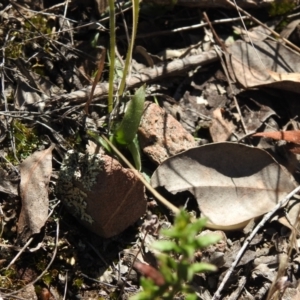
{"x": 135, "y": 16}
{"x": 159, "y": 197}
{"x": 112, "y": 29}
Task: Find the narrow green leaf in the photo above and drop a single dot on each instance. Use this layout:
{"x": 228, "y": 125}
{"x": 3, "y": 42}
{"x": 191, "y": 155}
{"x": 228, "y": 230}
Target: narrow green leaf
{"x": 206, "y": 240}
{"x": 188, "y": 250}
{"x": 98, "y": 140}
{"x": 167, "y": 261}
{"x": 183, "y": 270}
{"x": 197, "y": 226}
{"x": 127, "y": 130}
{"x": 135, "y": 17}
{"x": 202, "y": 267}
{"x": 112, "y": 33}
{"x": 134, "y": 149}
{"x": 191, "y": 297}
{"x": 165, "y": 246}
{"x": 94, "y": 41}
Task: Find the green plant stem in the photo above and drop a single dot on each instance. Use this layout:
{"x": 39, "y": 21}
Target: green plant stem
{"x": 159, "y": 197}
{"x": 135, "y": 16}
{"x": 112, "y": 32}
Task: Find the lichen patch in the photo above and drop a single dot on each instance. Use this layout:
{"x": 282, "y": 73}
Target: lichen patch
{"x": 78, "y": 168}
{"x": 105, "y": 197}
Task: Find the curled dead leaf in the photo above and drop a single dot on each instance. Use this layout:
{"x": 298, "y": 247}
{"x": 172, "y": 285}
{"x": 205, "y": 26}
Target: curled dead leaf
{"x": 292, "y": 136}
{"x": 35, "y": 173}
{"x": 232, "y": 183}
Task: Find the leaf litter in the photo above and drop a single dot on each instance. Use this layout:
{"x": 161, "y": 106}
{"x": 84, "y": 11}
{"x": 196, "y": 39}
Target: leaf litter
{"x": 234, "y": 184}
{"x": 35, "y": 172}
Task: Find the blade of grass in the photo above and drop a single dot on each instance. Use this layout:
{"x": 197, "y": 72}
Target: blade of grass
{"x": 159, "y": 197}
{"x": 112, "y": 29}
{"x": 135, "y": 17}
{"x": 96, "y": 80}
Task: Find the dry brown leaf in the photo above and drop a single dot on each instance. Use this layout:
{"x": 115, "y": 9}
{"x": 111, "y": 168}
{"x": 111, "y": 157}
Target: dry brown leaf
{"x": 288, "y": 29}
{"x": 266, "y": 63}
{"x": 294, "y": 148}
{"x": 291, "y": 216}
{"x": 220, "y": 129}
{"x": 35, "y": 173}
{"x": 232, "y": 183}
{"x": 292, "y": 136}
{"x": 6, "y": 185}
{"x": 255, "y": 34}
{"x": 285, "y": 76}
{"x": 149, "y": 272}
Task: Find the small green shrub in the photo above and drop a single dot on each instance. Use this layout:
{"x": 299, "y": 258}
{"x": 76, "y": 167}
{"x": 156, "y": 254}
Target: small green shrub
{"x": 175, "y": 260}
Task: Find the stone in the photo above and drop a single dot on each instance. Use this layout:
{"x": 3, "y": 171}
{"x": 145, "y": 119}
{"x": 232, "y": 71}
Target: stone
{"x": 161, "y": 135}
{"x": 105, "y": 197}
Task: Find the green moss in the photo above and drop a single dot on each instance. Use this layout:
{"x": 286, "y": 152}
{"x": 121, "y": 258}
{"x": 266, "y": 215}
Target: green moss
{"x": 38, "y": 22}
{"x": 41, "y": 263}
{"x": 26, "y": 141}
{"x": 47, "y": 278}
{"x": 14, "y": 47}
{"x": 50, "y": 276}
{"x": 9, "y": 280}
{"x": 281, "y": 7}
{"x": 18, "y": 40}
{"x": 78, "y": 282}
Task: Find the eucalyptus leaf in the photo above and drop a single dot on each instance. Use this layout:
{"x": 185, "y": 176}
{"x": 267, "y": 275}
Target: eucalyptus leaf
{"x": 232, "y": 183}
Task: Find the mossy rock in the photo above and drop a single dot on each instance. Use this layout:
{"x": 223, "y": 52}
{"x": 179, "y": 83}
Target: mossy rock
{"x": 105, "y": 197}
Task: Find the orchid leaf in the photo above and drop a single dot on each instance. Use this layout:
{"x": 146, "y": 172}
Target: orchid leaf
{"x": 126, "y": 131}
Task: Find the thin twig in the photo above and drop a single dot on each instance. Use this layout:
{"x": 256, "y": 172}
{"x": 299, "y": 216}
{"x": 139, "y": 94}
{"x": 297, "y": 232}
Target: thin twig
{"x": 37, "y": 30}
{"x": 19, "y": 253}
{"x": 159, "y": 197}
{"x": 66, "y": 286}
{"x": 98, "y": 281}
{"x": 136, "y": 255}
{"x": 260, "y": 225}
{"x": 66, "y": 21}
{"x": 221, "y": 44}
{"x": 196, "y": 26}
{"x": 248, "y": 35}
{"x": 147, "y": 75}
{"x": 47, "y": 267}
{"x": 7, "y": 123}
{"x": 237, "y": 106}
{"x": 98, "y": 253}
{"x": 293, "y": 46}
{"x": 133, "y": 262}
